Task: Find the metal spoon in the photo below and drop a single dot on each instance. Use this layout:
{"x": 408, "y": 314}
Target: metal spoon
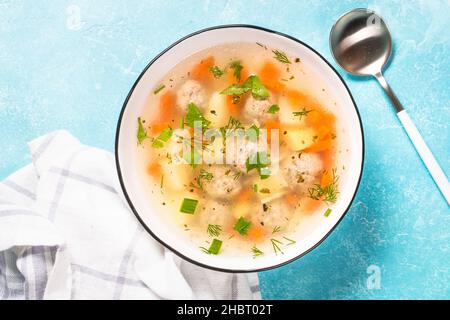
{"x": 361, "y": 44}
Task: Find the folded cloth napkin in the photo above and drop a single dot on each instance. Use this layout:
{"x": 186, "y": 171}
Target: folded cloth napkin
{"x": 66, "y": 232}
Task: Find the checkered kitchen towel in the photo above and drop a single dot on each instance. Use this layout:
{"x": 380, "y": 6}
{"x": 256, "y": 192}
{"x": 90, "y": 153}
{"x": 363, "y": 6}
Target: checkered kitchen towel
{"x": 66, "y": 232}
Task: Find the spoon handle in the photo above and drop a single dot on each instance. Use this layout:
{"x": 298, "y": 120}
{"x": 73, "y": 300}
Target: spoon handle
{"x": 426, "y": 154}
{"x": 416, "y": 138}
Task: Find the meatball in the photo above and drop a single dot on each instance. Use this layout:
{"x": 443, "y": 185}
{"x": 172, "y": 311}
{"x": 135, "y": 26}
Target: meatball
{"x": 274, "y": 213}
{"x": 257, "y": 109}
{"x": 224, "y": 184}
{"x": 239, "y": 150}
{"x": 191, "y": 91}
{"x": 301, "y": 170}
{"x": 215, "y": 212}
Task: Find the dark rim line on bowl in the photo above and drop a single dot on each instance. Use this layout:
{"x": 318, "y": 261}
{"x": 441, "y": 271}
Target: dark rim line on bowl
{"x": 119, "y": 172}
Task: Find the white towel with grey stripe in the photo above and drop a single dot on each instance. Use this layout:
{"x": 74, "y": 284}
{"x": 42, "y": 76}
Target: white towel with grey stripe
{"x": 66, "y": 232}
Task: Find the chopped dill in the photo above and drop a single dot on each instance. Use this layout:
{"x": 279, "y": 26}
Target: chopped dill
{"x": 256, "y": 252}
{"x": 328, "y": 193}
{"x": 276, "y": 246}
{"x": 301, "y": 113}
{"x": 276, "y": 229}
{"x": 214, "y": 230}
{"x": 290, "y": 241}
{"x": 281, "y": 56}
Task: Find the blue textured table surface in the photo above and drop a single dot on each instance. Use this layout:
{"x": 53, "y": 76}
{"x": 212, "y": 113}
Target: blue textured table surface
{"x": 70, "y": 64}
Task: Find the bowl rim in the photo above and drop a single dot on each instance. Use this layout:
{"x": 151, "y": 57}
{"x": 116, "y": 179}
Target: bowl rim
{"x": 119, "y": 171}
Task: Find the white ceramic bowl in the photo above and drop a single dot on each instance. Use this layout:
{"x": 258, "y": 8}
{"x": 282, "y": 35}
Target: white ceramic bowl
{"x": 126, "y": 144}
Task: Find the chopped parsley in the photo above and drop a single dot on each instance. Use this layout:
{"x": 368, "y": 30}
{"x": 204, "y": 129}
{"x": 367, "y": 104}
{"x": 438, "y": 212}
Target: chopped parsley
{"x": 195, "y": 115}
{"x": 216, "y": 71}
{"x": 163, "y": 137}
{"x": 260, "y": 162}
{"x": 237, "y": 68}
{"x": 252, "y": 84}
{"x": 273, "y": 109}
{"x": 203, "y": 175}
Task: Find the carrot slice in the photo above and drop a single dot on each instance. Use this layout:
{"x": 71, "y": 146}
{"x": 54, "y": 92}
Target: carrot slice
{"x": 327, "y": 178}
{"x": 166, "y": 106}
{"x": 157, "y": 128}
{"x": 320, "y": 145}
{"x": 291, "y": 199}
{"x": 270, "y": 76}
{"x": 200, "y": 72}
{"x": 154, "y": 169}
{"x": 244, "y": 195}
{"x": 234, "y": 108}
{"x": 256, "y": 233}
{"x": 309, "y": 204}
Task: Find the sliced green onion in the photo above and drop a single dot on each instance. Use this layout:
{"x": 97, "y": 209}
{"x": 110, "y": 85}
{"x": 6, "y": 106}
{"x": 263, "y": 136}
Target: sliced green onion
{"x": 188, "y": 205}
{"x": 215, "y": 246}
{"x": 242, "y": 226}
{"x": 159, "y": 88}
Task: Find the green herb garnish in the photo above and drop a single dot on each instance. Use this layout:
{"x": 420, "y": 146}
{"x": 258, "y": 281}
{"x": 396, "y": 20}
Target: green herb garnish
{"x": 202, "y": 175}
{"x": 328, "y": 193}
{"x": 164, "y": 136}
{"x": 242, "y": 226}
{"x": 273, "y": 109}
{"x": 327, "y": 213}
{"x": 290, "y": 241}
{"x": 264, "y": 190}
{"x": 192, "y": 157}
{"x": 281, "y": 56}
{"x": 188, "y": 205}
{"x": 276, "y": 246}
{"x": 214, "y": 248}
{"x": 260, "y": 162}
{"x": 252, "y": 84}
{"x": 216, "y": 71}
{"x": 159, "y": 88}
{"x": 232, "y": 125}
{"x": 237, "y": 68}
{"x": 214, "y": 230}
{"x": 276, "y": 229}
{"x": 255, "y": 188}
{"x": 141, "y": 133}
{"x": 195, "y": 115}
{"x": 252, "y": 132}
{"x": 256, "y": 252}
{"x": 301, "y": 113}
{"x": 162, "y": 181}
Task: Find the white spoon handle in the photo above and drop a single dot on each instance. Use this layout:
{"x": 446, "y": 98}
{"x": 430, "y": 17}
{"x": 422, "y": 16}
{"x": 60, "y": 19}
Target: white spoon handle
{"x": 426, "y": 155}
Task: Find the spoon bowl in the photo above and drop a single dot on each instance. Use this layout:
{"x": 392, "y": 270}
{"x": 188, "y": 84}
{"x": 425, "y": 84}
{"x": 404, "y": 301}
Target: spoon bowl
{"x": 361, "y": 44}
